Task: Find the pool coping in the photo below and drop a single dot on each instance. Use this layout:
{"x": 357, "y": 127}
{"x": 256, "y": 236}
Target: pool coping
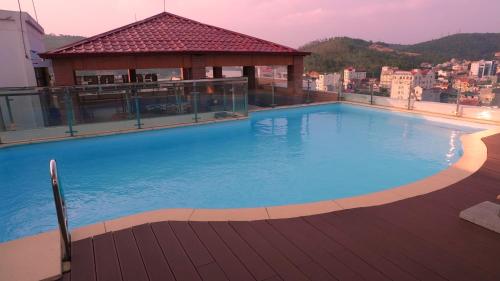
{"x": 14, "y": 258}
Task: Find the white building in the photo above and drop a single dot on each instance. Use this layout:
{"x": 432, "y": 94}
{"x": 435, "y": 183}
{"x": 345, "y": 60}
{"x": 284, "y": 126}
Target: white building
{"x": 386, "y": 76}
{"x": 483, "y": 68}
{"x": 328, "y": 82}
{"x": 351, "y": 76}
{"x": 22, "y": 41}
{"x": 404, "y": 82}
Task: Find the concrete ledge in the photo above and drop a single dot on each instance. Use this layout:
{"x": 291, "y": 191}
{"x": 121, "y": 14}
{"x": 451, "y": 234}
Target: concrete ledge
{"x": 35, "y": 257}
{"x": 486, "y": 214}
{"x": 148, "y": 217}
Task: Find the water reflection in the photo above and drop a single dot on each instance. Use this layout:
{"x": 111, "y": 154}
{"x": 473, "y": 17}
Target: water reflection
{"x": 452, "y": 150}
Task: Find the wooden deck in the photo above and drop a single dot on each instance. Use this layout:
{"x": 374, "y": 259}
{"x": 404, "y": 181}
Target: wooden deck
{"x": 420, "y": 238}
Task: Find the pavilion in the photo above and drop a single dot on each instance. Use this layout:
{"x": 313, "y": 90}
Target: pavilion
{"x": 170, "y": 41}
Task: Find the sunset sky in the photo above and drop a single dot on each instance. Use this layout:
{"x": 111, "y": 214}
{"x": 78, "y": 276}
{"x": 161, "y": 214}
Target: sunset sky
{"x": 290, "y": 22}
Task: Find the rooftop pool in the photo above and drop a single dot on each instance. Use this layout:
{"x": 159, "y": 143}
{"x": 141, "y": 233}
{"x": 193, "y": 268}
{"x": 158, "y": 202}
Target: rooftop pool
{"x": 276, "y": 157}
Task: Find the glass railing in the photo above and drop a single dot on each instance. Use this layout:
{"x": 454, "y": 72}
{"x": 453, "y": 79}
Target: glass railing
{"x": 460, "y": 106}
{"x": 270, "y": 95}
{"x": 30, "y": 114}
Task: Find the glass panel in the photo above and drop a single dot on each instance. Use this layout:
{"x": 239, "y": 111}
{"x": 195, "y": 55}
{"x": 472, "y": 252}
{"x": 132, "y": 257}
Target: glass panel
{"x": 30, "y": 114}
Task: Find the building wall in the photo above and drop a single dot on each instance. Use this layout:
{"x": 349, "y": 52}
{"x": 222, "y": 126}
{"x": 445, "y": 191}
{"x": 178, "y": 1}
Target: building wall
{"x": 483, "y": 68}
{"x": 404, "y": 82}
{"x": 386, "y": 76}
{"x": 17, "y": 67}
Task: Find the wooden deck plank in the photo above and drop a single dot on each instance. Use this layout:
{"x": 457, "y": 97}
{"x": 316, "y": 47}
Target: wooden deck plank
{"x": 152, "y": 256}
{"x": 300, "y": 259}
{"x": 233, "y": 268}
{"x": 131, "y": 264}
{"x": 429, "y": 255}
{"x": 191, "y": 243}
{"x": 212, "y": 272}
{"x": 281, "y": 265}
{"x": 294, "y": 254}
{"x": 82, "y": 260}
{"x": 440, "y": 228}
{"x": 376, "y": 260}
{"x": 107, "y": 266}
{"x": 342, "y": 264}
{"x": 182, "y": 268}
{"x": 255, "y": 264}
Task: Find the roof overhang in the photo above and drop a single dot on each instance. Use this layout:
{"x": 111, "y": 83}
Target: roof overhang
{"x": 49, "y": 55}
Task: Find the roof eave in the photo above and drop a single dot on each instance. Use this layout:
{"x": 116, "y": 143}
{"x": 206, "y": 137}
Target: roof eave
{"x": 56, "y": 55}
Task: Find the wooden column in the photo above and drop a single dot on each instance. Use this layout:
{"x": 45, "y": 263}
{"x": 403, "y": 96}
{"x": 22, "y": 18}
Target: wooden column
{"x": 249, "y": 72}
{"x": 217, "y": 71}
{"x": 294, "y": 73}
{"x": 132, "y": 76}
{"x": 186, "y": 73}
{"x": 198, "y": 67}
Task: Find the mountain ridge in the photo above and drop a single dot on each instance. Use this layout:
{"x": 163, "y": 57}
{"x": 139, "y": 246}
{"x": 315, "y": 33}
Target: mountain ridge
{"x": 333, "y": 54}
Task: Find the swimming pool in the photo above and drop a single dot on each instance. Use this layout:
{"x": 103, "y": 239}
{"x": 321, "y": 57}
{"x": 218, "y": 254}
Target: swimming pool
{"x": 276, "y": 157}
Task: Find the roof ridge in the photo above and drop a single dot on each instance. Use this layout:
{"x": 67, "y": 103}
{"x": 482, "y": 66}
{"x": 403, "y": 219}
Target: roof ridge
{"x": 165, "y": 20}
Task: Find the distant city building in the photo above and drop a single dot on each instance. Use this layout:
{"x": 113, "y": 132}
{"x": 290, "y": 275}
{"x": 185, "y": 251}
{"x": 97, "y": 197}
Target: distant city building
{"x": 483, "y": 68}
{"x": 464, "y": 84}
{"x": 404, "y": 82}
{"x": 328, "y": 82}
{"x": 353, "y": 77}
{"x": 432, "y": 94}
{"x": 486, "y": 96}
{"x": 386, "y": 76}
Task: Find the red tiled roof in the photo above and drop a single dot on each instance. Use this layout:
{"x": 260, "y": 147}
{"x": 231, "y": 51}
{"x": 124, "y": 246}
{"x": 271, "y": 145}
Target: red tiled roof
{"x": 169, "y": 33}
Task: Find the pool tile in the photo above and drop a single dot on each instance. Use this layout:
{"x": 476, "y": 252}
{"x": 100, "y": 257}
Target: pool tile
{"x": 290, "y": 211}
{"x": 372, "y": 199}
{"x": 245, "y": 214}
{"x": 148, "y": 217}
{"x": 87, "y": 231}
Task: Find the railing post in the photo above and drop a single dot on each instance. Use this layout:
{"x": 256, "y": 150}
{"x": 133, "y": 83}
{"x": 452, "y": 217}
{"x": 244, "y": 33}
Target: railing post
{"x": 9, "y": 111}
{"x": 129, "y": 108}
{"x": 2, "y": 123}
{"x": 273, "y": 103}
{"x": 195, "y": 100}
{"x": 138, "y": 123}
{"x": 371, "y": 94}
{"x": 62, "y": 216}
{"x": 69, "y": 112}
{"x": 245, "y": 92}
{"x": 224, "y": 97}
{"x": 459, "y": 94}
{"x": 308, "y": 99}
{"x": 233, "y": 97}
{"x": 409, "y": 100}
{"x": 178, "y": 104}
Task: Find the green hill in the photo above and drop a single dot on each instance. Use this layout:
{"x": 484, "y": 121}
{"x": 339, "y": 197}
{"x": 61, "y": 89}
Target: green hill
{"x": 470, "y": 46}
{"x": 53, "y": 41}
{"x": 333, "y": 54}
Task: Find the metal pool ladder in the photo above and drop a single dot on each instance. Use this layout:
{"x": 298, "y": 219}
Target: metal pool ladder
{"x": 62, "y": 216}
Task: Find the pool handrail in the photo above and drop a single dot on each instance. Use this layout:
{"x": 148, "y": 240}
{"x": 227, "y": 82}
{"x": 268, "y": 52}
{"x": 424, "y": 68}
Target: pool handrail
{"x": 62, "y": 216}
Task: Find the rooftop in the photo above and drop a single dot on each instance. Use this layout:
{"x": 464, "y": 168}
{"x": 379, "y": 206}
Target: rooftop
{"x": 169, "y": 33}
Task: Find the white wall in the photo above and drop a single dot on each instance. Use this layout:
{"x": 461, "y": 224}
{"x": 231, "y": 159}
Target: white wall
{"x": 17, "y": 66}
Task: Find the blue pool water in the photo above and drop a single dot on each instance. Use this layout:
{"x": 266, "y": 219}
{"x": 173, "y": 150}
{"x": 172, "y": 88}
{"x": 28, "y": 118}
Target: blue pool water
{"x": 276, "y": 157}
